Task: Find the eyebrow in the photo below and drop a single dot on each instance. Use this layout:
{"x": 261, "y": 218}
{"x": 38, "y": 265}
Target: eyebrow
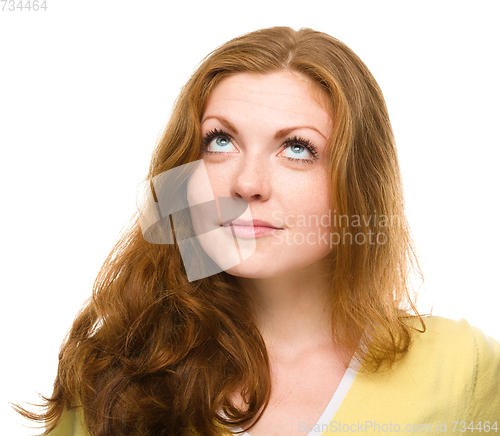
{"x": 279, "y": 134}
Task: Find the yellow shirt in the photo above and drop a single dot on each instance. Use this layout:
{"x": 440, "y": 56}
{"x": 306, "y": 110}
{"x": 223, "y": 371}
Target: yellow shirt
{"x": 448, "y": 382}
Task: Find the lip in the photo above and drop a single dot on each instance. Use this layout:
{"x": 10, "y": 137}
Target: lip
{"x": 249, "y": 228}
{"x": 249, "y": 223}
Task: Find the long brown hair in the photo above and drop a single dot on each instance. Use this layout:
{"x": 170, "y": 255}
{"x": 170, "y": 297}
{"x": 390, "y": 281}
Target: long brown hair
{"x": 154, "y": 354}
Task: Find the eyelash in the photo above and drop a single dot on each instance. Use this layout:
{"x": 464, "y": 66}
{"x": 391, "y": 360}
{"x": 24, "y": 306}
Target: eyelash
{"x": 295, "y": 140}
{"x": 210, "y": 136}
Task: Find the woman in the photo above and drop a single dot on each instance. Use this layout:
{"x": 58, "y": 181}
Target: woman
{"x": 310, "y": 328}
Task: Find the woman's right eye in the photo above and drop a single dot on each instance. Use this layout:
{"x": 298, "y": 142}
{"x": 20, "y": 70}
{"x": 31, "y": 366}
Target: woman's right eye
{"x": 217, "y": 142}
{"x": 220, "y": 143}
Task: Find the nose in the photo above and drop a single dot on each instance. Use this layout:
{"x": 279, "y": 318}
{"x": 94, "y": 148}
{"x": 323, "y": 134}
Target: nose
{"x": 252, "y": 179}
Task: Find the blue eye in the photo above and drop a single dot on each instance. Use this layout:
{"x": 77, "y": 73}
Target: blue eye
{"x": 217, "y": 141}
{"x": 297, "y": 152}
{"x": 299, "y": 149}
{"x": 296, "y": 149}
{"x": 220, "y": 143}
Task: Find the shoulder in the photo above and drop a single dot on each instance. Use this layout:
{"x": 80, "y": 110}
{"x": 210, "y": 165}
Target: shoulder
{"x": 71, "y": 424}
{"x": 451, "y": 372}
{"x": 461, "y": 359}
{"x": 454, "y": 339}
{"x": 456, "y": 343}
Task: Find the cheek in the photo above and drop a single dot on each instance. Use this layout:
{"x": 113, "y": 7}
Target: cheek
{"x": 322, "y": 192}
{"x": 311, "y": 194}
{"x": 199, "y": 188}
{"x": 311, "y": 207}
{"x": 220, "y": 178}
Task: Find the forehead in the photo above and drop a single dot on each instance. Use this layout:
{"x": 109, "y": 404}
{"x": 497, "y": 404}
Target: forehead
{"x": 283, "y": 96}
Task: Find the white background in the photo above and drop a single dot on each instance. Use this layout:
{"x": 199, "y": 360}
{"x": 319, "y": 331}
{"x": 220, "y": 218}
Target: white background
{"x": 86, "y": 87}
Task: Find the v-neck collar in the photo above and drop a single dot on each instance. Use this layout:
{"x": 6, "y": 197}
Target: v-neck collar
{"x": 333, "y": 405}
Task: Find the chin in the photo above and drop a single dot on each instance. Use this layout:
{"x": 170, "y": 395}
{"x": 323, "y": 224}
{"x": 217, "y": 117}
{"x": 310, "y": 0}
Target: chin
{"x": 258, "y": 269}
{"x": 252, "y": 273}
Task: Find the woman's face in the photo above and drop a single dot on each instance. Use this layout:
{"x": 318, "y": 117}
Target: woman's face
{"x": 265, "y": 141}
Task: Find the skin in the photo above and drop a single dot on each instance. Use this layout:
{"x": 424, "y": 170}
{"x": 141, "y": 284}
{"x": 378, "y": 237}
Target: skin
{"x": 287, "y": 275}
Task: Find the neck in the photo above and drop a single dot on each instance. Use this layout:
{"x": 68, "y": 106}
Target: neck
{"x": 292, "y": 310}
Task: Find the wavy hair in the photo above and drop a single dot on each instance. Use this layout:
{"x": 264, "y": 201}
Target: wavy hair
{"x": 154, "y": 354}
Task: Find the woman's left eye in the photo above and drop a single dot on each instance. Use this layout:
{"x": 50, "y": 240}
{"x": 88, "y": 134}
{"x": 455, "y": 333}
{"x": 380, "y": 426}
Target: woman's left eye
{"x": 297, "y": 152}
{"x": 300, "y": 149}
